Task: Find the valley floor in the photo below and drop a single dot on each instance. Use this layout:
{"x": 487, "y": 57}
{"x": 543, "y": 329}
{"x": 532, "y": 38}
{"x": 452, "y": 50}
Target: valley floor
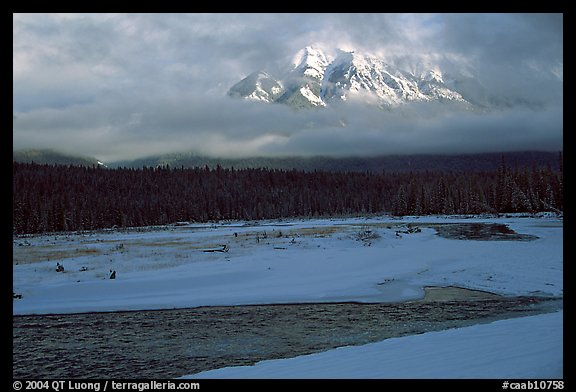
{"x": 378, "y": 259}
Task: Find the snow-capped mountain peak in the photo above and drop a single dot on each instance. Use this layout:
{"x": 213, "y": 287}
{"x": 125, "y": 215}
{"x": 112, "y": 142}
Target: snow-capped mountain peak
{"x": 433, "y": 76}
{"x": 313, "y": 79}
{"x": 311, "y": 62}
{"x": 258, "y": 86}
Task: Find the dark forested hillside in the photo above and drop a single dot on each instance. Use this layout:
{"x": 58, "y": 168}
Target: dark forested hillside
{"x": 51, "y": 157}
{"x": 376, "y": 164}
{"x": 61, "y": 198}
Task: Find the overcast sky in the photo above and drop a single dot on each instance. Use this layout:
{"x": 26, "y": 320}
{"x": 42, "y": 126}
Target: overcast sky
{"x": 122, "y": 86}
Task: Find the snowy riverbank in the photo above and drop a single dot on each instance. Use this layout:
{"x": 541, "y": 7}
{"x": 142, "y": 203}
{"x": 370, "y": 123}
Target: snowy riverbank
{"x": 379, "y": 259}
{"x": 528, "y": 347}
{"x": 279, "y": 262}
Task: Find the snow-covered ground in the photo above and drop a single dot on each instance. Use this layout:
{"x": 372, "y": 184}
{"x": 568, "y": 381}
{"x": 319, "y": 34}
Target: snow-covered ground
{"x": 299, "y": 261}
{"x": 313, "y": 261}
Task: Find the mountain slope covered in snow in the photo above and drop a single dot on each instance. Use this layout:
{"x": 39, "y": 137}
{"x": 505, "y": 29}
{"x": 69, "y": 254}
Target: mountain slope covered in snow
{"x": 315, "y": 79}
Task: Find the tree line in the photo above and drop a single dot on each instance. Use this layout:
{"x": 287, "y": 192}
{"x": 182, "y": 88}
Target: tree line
{"x": 49, "y": 198}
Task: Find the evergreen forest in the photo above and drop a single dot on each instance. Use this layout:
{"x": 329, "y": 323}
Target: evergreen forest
{"x": 54, "y": 198}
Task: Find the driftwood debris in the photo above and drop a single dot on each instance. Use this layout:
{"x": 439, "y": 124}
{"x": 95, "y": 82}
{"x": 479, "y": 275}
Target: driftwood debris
{"x": 409, "y": 230}
{"x": 223, "y": 249}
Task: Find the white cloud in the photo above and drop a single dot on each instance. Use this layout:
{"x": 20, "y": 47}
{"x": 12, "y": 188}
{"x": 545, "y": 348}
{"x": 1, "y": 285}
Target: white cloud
{"x": 128, "y": 85}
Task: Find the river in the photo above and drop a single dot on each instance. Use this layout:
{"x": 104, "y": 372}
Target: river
{"x": 171, "y": 343}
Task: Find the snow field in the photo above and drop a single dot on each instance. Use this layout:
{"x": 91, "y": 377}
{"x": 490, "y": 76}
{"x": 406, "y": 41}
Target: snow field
{"x": 313, "y": 261}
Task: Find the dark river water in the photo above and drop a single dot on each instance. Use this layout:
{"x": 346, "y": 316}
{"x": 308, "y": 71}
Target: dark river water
{"x": 172, "y": 343}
